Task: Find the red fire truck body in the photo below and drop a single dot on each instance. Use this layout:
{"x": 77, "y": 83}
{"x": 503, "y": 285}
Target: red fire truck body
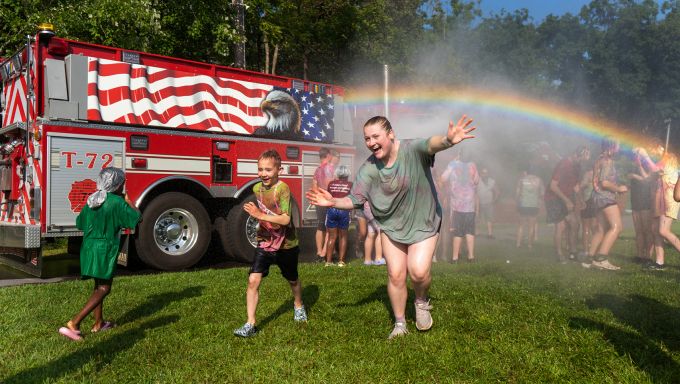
{"x": 187, "y": 134}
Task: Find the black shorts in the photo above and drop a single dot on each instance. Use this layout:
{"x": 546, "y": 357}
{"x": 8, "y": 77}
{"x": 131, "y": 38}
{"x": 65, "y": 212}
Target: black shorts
{"x": 527, "y": 211}
{"x": 286, "y": 259}
{"x": 463, "y": 223}
{"x": 555, "y": 211}
{"x": 589, "y": 211}
{"x": 321, "y": 218}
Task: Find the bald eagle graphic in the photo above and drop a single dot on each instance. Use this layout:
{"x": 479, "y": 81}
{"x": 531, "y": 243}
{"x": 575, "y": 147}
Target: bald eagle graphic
{"x": 284, "y": 116}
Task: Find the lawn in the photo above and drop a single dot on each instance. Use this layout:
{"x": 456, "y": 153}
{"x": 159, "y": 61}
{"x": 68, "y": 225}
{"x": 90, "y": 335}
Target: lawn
{"x": 526, "y": 320}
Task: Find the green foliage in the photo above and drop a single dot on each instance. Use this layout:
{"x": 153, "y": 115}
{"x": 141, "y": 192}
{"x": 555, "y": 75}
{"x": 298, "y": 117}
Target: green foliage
{"x": 619, "y": 58}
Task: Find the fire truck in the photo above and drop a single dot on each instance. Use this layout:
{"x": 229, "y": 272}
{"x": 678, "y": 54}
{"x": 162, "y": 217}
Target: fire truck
{"x": 187, "y": 134}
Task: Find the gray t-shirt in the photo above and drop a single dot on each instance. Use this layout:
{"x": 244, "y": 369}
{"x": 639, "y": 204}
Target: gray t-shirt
{"x": 402, "y": 197}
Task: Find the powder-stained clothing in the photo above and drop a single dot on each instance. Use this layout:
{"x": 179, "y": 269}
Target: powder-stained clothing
{"x": 101, "y": 235}
{"x": 339, "y": 188}
{"x": 567, "y": 174}
{"x": 338, "y": 218}
{"x": 462, "y": 185}
{"x": 604, "y": 171}
{"x": 669, "y": 176}
{"x": 530, "y": 190}
{"x": 402, "y": 197}
{"x": 324, "y": 174}
{"x": 275, "y": 200}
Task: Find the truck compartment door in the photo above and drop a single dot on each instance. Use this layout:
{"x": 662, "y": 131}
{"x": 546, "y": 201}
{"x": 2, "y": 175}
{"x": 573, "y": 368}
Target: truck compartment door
{"x": 73, "y": 165}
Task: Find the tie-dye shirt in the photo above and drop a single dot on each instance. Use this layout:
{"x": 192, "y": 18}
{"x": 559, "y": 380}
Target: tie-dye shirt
{"x": 402, "y": 197}
{"x": 462, "y": 183}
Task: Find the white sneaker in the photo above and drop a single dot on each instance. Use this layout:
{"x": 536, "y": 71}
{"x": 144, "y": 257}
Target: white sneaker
{"x": 399, "y": 330}
{"x": 423, "y": 316}
{"x": 605, "y": 264}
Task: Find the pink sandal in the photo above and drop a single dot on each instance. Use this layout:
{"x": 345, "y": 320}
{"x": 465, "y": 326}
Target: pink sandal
{"x": 71, "y": 334}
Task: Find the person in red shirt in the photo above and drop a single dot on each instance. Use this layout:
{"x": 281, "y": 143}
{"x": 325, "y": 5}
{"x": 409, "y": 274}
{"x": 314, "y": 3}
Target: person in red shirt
{"x": 560, "y": 200}
{"x": 322, "y": 176}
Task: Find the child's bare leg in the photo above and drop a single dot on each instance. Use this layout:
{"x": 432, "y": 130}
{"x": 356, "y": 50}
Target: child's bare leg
{"x": 101, "y": 290}
{"x": 253, "y": 295}
{"x": 470, "y": 242}
{"x": 368, "y": 246}
{"x": 342, "y": 239}
{"x": 296, "y": 288}
{"x": 378, "y": 248}
{"x": 330, "y": 244}
{"x": 456, "y": 246}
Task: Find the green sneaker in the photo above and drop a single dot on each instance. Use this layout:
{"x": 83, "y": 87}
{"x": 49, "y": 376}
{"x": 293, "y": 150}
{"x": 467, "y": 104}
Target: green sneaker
{"x": 300, "y": 315}
{"x": 399, "y": 330}
{"x": 247, "y": 330}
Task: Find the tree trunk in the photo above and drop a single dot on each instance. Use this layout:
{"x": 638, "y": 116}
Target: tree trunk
{"x": 275, "y": 58}
{"x": 265, "y": 39}
{"x": 305, "y": 66}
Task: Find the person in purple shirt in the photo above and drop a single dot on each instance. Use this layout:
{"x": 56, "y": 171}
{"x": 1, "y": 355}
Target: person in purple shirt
{"x": 461, "y": 178}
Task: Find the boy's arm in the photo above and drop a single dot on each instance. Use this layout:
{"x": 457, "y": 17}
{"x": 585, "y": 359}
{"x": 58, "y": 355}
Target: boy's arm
{"x": 254, "y": 211}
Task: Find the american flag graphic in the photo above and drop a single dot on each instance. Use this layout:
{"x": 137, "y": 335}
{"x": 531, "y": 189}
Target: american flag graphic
{"x": 317, "y": 110}
{"x": 120, "y": 92}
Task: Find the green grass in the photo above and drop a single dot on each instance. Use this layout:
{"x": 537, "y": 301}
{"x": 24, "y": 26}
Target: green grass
{"x": 528, "y": 321}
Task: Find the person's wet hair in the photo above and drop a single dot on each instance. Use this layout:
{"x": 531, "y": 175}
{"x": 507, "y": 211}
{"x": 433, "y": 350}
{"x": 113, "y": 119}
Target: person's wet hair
{"x": 272, "y": 155}
{"x": 342, "y": 172}
{"x": 381, "y": 121}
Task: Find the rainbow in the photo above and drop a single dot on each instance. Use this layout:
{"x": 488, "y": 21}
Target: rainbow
{"x": 561, "y": 116}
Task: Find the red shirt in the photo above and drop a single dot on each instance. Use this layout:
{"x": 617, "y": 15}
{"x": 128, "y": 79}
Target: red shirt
{"x": 567, "y": 176}
{"x": 339, "y": 188}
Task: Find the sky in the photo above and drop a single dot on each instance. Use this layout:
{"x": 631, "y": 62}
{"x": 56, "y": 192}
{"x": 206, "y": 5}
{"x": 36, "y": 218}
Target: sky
{"x": 538, "y": 9}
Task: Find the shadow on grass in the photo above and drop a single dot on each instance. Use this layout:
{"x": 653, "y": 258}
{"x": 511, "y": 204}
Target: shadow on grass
{"x": 155, "y": 303}
{"x": 656, "y": 324}
{"x": 310, "y": 295}
{"x": 380, "y": 294}
{"x": 102, "y": 353}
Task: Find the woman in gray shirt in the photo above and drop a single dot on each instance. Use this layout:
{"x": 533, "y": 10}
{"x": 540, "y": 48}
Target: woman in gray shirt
{"x": 397, "y": 183}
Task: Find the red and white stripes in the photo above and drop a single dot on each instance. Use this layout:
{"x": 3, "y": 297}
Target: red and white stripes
{"x": 136, "y": 94}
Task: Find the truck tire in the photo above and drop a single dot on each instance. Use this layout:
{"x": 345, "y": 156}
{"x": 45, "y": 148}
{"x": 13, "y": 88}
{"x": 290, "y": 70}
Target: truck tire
{"x": 174, "y": 232}
{"x": 241, "y": 232}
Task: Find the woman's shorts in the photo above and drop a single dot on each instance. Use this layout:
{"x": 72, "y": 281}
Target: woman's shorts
{"x": 555, "y": 211}
{"x": 486, "y": 212}
{"x": 463, "y": 223}
{"x": 337, "y": 218}
{"x": 589, "y": 211}
{"x": 527, "y": 211}
{"x": 601, "y": 202}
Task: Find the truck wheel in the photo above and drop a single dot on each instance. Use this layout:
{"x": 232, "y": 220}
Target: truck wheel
{"x": 241, "y": 231}
{"x": 174, "y": 232}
